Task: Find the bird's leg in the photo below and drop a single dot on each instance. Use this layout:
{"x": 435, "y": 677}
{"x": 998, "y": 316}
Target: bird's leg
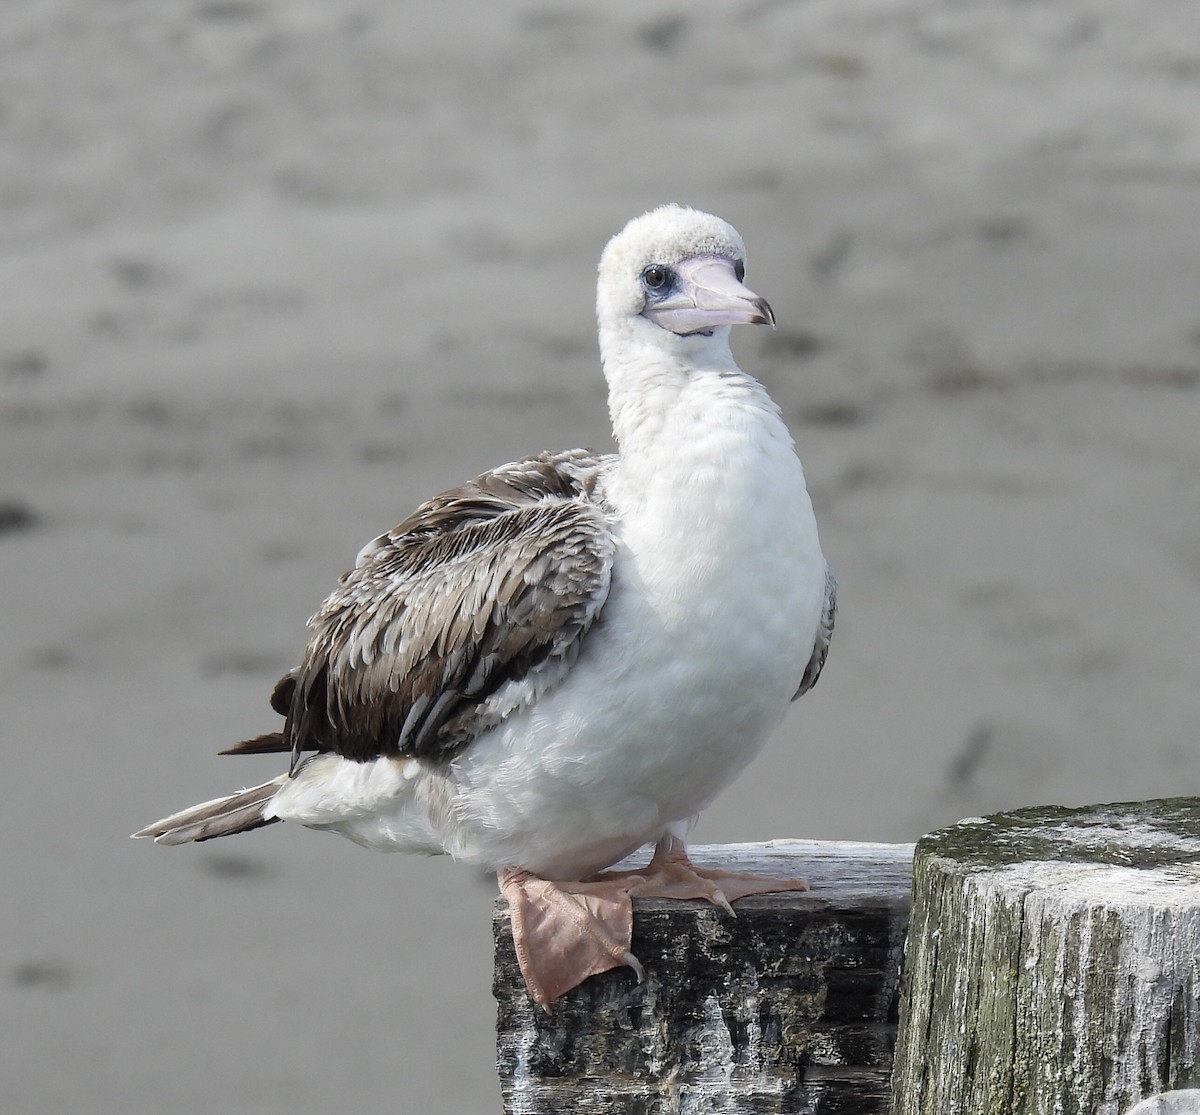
{"x": 565, "y": 932}
{"x": 671, "y": 874}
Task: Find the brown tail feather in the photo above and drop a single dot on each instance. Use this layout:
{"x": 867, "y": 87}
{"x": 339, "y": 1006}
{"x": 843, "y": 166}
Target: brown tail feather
{"x": 259, "y": 745}
{"x": 238, "y": 812}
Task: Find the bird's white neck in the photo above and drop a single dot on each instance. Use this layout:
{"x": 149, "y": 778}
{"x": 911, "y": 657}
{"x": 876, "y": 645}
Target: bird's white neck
{"x": 650, "y": 375}
{"x": 703, "y": 446}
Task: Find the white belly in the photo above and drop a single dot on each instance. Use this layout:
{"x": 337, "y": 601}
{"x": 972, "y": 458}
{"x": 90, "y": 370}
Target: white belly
{"x": 712, "y": 617}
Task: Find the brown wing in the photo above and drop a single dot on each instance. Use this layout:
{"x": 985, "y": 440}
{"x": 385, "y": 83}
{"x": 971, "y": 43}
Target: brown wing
{"x": 824, "y": 635}
{"x": 471, "y": 607}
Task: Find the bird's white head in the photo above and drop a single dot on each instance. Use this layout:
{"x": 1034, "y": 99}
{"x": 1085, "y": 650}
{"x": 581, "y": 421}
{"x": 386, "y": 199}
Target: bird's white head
{"x": 671, "y": 280}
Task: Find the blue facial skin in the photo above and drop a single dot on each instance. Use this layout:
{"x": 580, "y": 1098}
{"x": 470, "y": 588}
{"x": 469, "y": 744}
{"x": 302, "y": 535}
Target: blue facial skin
{"x": 672, "y": 302}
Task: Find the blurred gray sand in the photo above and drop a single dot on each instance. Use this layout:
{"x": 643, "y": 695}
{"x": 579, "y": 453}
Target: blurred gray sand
{"x": 272, "y": 274}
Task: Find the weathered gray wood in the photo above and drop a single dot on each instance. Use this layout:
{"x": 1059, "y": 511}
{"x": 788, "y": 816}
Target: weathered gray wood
{"x": 1186, "y": 1102}
{"x": 789, "y": 1006}
{"x": 1053, "y": 962}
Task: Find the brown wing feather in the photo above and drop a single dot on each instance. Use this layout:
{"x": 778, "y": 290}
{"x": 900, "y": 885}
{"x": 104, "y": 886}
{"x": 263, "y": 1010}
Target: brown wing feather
{"x": 824, "y": 636}
{"x": 475, "y": 603}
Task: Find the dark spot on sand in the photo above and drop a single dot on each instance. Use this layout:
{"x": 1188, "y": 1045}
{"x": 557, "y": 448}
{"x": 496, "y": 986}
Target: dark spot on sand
{"x": 1005, "y": 229}
{"x": 860, "y": 475}
{"x": 280, "y": 550}
{"x": 828, "y": 259}
{"x": 1176, "y": 375}
{"x": 663, "y": 35}
{"x": 16, "y": 516}
{"x": 965, "y": 765}
{"x": 137, "y": 274}
{"x": 46, "y": 974}
{"x": 26, "y": 364}
{"x": 944, "y": 355}
{"x": 52, "y": 658}
{"x": 840, "y": 63}
{"x": 238, "y": 662}
{"x": 793, "y": 344}
{"x": 235, "y": 867}
{"x": 833, "y": 412}
{"x": 228, "y": 10}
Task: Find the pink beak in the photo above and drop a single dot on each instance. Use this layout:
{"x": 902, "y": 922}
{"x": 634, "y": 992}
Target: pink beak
{"x": 708, "y": 293}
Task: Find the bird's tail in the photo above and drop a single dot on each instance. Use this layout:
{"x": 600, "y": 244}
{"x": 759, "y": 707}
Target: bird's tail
{"x": 238, "y": 812}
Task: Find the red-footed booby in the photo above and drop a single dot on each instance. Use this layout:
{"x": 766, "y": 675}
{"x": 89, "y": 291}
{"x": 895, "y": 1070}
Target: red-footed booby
{"x": 571, "y": 655}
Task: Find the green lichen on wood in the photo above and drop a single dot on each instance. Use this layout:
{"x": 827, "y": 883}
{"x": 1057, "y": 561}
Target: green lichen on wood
{"x": 1048, "y": 952}
{"x": 1125, "y": 834}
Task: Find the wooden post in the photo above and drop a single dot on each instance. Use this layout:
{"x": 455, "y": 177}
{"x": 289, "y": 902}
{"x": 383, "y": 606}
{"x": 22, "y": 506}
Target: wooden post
{"x": 789, "y": 1006}
{"x": 1053, "y": 962}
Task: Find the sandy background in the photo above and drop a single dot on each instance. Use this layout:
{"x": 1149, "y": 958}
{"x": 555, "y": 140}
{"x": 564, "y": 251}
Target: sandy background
{"x": 271, "y": 273}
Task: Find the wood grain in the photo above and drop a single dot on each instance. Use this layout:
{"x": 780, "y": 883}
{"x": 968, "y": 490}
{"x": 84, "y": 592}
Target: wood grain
{"x": 1053, "y": 962}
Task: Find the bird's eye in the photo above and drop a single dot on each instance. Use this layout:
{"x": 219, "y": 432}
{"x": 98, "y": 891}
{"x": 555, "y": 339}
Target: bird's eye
{"x": 656, "y": 276}
{"x": 739, "y": 269}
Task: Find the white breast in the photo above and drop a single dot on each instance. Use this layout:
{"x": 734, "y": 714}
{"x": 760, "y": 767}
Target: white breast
{"x": 717, "y": 594}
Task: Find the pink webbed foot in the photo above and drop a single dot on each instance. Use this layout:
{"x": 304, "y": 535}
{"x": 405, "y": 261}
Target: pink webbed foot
{"x": 565, "y": 932}
{"x": 671, "y": 874}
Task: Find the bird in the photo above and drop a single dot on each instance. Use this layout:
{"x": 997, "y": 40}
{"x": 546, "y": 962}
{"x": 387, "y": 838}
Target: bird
{"x": 571, "y": 655}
